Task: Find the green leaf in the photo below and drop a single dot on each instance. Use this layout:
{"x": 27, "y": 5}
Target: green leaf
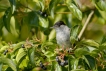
{"x": 6, "y": 18}
{"x": 13, "y": 5}
{"x": 17, "y": 46}
{"x": 1, "y": 23}
{"x": 101, "y": 5}
{"x": 103, "y": 39}
{"x": 52, "y": 35}
{"x": 49, "y": 54}
{"x": 9, "y": 62}
{"x": 74, "y": 34}
{"x": 90, "y": 61}
{"x": 53, "y": 65}
{"x": 33, "y": 19}
{"x": 20, "y": 55}
{"x": 102, "y": 46}
{"x": 1, "y": 64}
{"x": 9, "y": 69}
{"x": 42, "y": 4}
{"x": 43, "y": 22}
{"x": 74, "y": 63}
{"x": 3, "y": 48}
{"x": 81, "y": 51}
{"x": 90, "y": 43}
{"x": 57, "y": 67}
{"x": 52, "y": 6}
{"x": 4, "y": 4}
{"x": 31, "y": 55}
{"x": 74, "y": 9}
{"x": 24, "y": 63}
{"x": 79, "y": 70}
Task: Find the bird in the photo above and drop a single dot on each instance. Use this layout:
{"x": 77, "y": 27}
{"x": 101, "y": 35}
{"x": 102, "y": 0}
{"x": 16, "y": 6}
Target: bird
{"x": 62, "y": 34}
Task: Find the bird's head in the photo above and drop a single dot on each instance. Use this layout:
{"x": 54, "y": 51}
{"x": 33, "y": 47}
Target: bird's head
{"x": 58, "y": 24}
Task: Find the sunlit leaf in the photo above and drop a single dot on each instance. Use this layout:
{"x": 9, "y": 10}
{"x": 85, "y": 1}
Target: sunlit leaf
{"x": 58, "y": 68}
{"x": 90, "y": 43}
{"x": 21, "y": 54}
{"x": 4, "y": 48}
{"x": 31, "y": 55}
{"x": 79, "y": 70}
{"x": 49, "y": 54}
{"x": 81, "y": 51}
{"x": 52, "y": 6}
{"x": 74, "y": 63}
{"x": 9, "y": 62}
{"x": 43, "y": 22}
{"x": 17, "y": 46}
{"x": 100, "y": 4}
{"x": 42, "y": 4}
{"x": 23, "y": 63}
{"x": 74, "y": 34}
{"x": 74, "y": 9}
{"x": 52, "y": 35}
{"x": 13, "y": 5}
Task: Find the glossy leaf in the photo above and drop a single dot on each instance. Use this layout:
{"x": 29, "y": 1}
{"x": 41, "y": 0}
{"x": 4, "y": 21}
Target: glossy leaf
{"x": 21, "y": 54}
{"x": 31, "y": 55}
{"x": 74, "y": 63}
{"x": 6, "y": 18}
{"x": 74, "y": 9}
{"x": 42, "y": 4}
{"x": 81, "y": 51}
{"x": 90, "y": 61}
{"x": 9, "y": 62}
{"x": 58, "y": 68}
{"x": 74, "y": 34}
{"x": 52, "y": 35}
{"x": 17, "y": 46}
{"x": 13, "y": 5}
{"x": 90, "y": 43}
{"x": 43, "y": 22}
{"x": 52, "y": 6}
{"x": 101, "y": 5}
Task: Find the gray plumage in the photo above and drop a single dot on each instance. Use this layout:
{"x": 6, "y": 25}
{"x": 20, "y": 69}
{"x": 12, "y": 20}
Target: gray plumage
{"x": 62, "y": 34}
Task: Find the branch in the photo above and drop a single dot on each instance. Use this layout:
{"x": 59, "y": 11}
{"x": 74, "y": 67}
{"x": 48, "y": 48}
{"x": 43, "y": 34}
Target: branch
{"x": 85, "y": 25}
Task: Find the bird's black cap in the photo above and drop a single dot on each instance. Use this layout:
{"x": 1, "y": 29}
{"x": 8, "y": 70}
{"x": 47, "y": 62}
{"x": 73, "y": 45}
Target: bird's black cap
{"x": 59, "y": 23}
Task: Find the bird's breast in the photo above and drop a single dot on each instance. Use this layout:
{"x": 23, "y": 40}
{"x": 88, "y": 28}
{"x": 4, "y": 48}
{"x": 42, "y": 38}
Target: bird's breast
{"x": 63, "y": 39}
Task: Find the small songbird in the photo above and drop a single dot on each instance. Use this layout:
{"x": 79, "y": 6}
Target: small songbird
{"x": 62, "y": 34}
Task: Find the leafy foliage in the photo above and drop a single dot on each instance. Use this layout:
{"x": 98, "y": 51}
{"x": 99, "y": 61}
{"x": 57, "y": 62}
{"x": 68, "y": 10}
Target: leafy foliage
{"x": 28, "y": 44}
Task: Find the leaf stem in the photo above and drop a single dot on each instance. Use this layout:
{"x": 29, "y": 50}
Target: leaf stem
{"x": 85, "y": 25}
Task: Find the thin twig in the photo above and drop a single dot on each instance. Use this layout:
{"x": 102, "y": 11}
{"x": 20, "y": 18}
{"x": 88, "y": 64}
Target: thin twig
{"x": 85, "y": 25}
